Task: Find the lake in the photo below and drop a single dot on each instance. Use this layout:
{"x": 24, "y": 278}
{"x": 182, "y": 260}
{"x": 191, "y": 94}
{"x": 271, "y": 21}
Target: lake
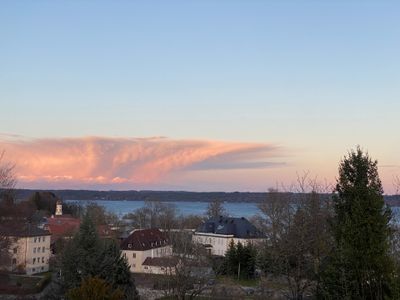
{"x": 121, "y": 208}
{"x": 235, "y": 209}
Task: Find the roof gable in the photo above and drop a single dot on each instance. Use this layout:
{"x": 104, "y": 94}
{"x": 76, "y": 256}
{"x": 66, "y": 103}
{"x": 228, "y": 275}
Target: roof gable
{"x": 238, "y": 227}
{"x": 145, "y": 239}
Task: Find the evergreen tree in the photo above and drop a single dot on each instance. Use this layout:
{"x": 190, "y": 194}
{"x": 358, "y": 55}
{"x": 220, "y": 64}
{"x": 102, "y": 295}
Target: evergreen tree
{"x": 86, "y": 256}
{"x": 360, "y": 266}
{"x": 115, "y": 270}
{"x": 89, "y": 248}
{"x": 82, "y": 255}
{"x": 231, "y": 259}
{"x": 70, "y": 272}
{"x": 240, "y": 261}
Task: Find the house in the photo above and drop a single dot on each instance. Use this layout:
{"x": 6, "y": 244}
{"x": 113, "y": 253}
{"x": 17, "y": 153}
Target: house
{"x": 143, "y": 244}
{"x": 170, "y": 265}
{"x": 62, "y": 226}
{"x": 29, "y": 248}
{"x": 217, "y": 233}
{"x": 160, "y": 265}
{"x": 65, "y": 226}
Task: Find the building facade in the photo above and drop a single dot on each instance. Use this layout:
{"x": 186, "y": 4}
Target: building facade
{"x": 29, "y": 249}
{"x": 143, "y": 244}
{"x": 216, "y": 234}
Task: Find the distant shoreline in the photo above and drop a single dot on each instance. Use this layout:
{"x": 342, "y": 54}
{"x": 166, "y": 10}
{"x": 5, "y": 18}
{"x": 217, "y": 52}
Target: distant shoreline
{"x": 167, "y": 196}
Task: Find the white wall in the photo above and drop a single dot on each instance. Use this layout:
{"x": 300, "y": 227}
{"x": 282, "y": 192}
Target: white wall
{"x": 136, "y": 258}
{"x": 30, "y": 254}
{"x": 219, "y": 243}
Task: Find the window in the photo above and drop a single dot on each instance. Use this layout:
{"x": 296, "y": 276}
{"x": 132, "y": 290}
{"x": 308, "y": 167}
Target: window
{"x": 34, "y": 250}
{"x": 134, "y": 255}
{"x": 14, "y": 261}
{"x": 39, "y": 239}
{"x": 34, "y": 240}
{"x": 38, "y": 250}
{"x": 33, "y": 270}
{"x": 42, "y": 268}
{"x": 129, "y": 246}
{"x": 44, "y": 238}
{"x": 34, "y": 260}
{"x": 15, "y": 250}
{"x": 43, "y": 249}
{"x": 43, "y": 260}
{"x": 134, "y": 266}
{"x": 145, "y": 268}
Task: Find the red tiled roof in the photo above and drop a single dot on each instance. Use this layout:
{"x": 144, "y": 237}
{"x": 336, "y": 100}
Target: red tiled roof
{"x": 63, "y": 225}
{"x": 145, "y": 239}
{"x": 67, "y": 226}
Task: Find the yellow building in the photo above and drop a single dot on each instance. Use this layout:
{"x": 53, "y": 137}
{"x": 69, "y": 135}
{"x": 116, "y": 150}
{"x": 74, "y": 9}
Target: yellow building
{"x": 143, "y": 244}
{"x": 29, "y": 248}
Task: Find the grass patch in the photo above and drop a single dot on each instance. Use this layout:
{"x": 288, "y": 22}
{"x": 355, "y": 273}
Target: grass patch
{"x": 23, "y": 285}
{"x": 242, "y": 282}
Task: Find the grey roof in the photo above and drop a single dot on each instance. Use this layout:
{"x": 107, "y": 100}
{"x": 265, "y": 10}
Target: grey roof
{"x": 22, "y": 230}
{"x": 238, "y": 227}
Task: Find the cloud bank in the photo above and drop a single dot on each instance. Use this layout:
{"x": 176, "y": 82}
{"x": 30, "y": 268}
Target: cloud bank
{"x": 103, "y": 160}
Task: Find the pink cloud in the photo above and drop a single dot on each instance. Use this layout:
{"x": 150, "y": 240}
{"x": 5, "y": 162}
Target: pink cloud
{"x": 102, "y": 160}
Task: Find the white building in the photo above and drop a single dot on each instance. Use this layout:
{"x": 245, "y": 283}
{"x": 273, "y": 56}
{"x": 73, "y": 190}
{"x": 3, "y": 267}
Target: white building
{"x": 216, "y": 234}
{"x": 29, "y": 248}
{"x": 143, "y": 244}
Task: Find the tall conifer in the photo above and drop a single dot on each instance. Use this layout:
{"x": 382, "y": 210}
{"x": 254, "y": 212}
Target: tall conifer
{"x": 360, "y": 266}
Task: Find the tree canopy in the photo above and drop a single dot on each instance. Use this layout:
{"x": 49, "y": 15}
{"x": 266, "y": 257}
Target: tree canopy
{"x": 360, "y": 266}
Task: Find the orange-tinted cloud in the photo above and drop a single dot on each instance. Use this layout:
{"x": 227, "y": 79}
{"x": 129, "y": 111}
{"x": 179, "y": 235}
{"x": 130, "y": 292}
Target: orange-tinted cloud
{"x": 101, "y": 160}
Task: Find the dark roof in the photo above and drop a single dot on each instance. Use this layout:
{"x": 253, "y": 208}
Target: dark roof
{"x": 22, "y": 230}
{"x": 160, "y": 261}
{"x": 145, "y": 239}
{"x": 238, "y": 227}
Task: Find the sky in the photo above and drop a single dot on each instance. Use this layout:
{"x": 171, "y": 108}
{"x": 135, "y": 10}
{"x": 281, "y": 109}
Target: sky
{"x": 197, "y": 95}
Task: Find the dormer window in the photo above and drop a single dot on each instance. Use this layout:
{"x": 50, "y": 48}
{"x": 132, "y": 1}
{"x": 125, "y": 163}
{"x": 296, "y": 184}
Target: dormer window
{"x": 129, "y": 246}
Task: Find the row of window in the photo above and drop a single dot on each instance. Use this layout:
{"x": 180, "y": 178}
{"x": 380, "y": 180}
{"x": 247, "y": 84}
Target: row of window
{"x": 38, "y": 249}
{"x": 34, "y": 269}
{"x": 37, "y": 260}
{"x": 212, "y": 241}
{"x": 39, "y": 239}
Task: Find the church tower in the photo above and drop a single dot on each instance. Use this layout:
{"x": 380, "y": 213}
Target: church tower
{"x": 59, "y": 208}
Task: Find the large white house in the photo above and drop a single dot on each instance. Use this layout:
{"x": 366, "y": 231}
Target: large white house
{"x": 216, "y": 234}
{"x": 143, "y": 244}
{"x": 29, "y": 248}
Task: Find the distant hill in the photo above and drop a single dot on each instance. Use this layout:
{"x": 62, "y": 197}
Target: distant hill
{"x": 166, "y": 196}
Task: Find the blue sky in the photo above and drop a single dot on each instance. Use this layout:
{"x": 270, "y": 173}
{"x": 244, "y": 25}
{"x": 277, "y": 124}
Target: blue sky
{"x": 314, "y": 78}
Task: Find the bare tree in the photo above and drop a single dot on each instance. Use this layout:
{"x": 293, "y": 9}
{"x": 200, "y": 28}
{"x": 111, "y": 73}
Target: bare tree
{"x": 188, "y": 276}
{"x": 215, "y": 209}
{"x": 396, "y": 182}
{"x": 154, "y": 214}
{"x": 296, "y": 224}
{"x": 7, "y": 179}
{"x": 7, "y": 184}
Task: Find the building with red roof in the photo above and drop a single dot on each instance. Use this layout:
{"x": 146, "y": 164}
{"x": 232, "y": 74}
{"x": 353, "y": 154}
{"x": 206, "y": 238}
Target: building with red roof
{"x": 143, "y": 244}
